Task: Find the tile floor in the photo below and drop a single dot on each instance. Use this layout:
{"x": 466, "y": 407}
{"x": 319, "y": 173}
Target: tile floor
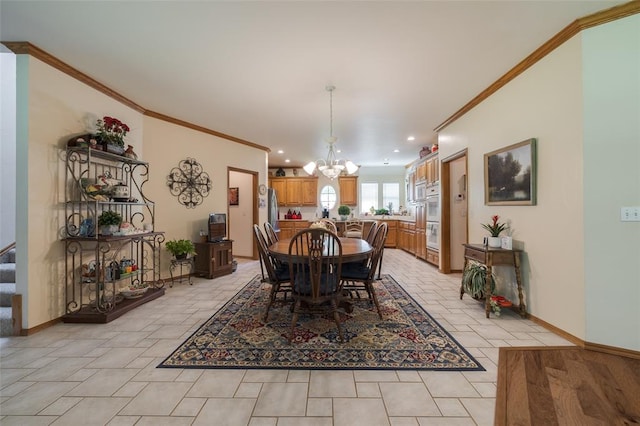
{"x": 82, "y": 374}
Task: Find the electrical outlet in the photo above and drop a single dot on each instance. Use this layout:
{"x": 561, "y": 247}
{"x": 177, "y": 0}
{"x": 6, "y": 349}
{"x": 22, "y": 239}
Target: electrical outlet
{"x": 630, "y": 214}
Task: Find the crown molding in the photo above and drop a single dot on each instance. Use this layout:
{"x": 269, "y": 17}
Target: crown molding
{"x": 182, "y": 123}
{"x": 598, "y": 18}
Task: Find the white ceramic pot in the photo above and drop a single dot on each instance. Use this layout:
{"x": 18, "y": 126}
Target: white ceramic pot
{"x": 495, "y": 242}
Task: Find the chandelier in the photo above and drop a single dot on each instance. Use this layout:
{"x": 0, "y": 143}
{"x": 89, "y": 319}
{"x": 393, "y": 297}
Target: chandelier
{"x": 331, "y": 167}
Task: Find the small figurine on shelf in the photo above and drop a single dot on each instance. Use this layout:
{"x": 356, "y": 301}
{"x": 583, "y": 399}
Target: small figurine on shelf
{"x": 130, "y": 154}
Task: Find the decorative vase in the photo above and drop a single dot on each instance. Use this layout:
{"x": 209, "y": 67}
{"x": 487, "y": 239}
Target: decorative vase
{"x": 495, "y": 242}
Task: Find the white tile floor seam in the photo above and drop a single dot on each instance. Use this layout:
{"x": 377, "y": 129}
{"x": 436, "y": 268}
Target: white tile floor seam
{"x": 84, "y": 374}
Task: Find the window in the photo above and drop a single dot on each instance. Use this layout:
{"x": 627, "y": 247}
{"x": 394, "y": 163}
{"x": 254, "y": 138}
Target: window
{"x": 328, "y": 197}
{"x": 391, "y": 196}
{"x": 368, "y": 197}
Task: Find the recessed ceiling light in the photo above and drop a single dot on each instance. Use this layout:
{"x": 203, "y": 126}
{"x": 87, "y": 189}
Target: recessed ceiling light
{"x": 287, "y": 161}
{"x": 396, "y": 150}
{"x": 338, "y": 151}
{"x": 411, "y": 138}
{"x": 280, "y": 151}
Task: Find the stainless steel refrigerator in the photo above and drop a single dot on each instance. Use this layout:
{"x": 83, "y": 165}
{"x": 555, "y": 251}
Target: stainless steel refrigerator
{"x": 272, "y": 212}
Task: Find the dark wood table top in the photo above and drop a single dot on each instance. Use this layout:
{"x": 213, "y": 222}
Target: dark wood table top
{"x": 353, "y": 249}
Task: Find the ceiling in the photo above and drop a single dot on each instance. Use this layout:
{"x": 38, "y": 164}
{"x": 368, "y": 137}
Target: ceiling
{"x": 258, "y": 70}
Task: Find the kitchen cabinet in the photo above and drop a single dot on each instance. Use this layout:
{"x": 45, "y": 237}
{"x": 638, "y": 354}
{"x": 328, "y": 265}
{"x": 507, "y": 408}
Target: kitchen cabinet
{"x": 421, "y": 171}
{"x": 288, "y": 228}
{"x": 295, "y": 191}
{"x": 348, "y": 190}
{"x": 411, "y": 185}
{"x": 421, "y": 229}
{"x": 406, "y": 237}
{"x": 280, "y": 186}
{"x": 432, "y": 170}
{"x": 392, "y": 234}
{"x": 108, "y": 275}
{"x": 214, "y": 259}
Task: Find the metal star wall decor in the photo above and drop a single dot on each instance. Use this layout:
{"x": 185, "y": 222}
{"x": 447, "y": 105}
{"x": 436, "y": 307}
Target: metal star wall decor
{"x": 189, "y": 183}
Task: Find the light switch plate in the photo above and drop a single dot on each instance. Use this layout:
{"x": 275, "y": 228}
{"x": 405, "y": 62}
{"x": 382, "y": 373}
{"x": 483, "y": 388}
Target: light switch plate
{"x": 630, "y": 214}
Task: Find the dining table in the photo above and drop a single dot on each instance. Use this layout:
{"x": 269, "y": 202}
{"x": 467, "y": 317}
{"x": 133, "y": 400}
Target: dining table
{"x": 353, "y": 249}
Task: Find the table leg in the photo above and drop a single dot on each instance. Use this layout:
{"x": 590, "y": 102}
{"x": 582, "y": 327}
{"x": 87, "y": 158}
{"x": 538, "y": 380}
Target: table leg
{"x": 464, "y": 268}
{"x": 516, "y": 264}
{"x": 487, "y": 290}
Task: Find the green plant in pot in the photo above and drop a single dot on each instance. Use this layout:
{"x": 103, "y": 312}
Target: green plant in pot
{"x": 180, "y": 248}
{"x": 109, "y": 222}
{"x": 473, "y": 280}
{"x": 344, "y": 211}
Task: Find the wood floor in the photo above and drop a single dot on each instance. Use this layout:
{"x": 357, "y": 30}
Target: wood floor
{"x": 566, "y": 386}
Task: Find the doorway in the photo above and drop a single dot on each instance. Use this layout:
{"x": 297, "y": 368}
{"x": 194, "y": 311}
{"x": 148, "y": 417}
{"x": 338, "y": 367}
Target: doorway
{"x": 242, "y": 210}
{"x": 454, "y": 230}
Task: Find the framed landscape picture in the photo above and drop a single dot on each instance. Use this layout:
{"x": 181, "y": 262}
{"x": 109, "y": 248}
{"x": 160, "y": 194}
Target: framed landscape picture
{"x": 510, "y": 175}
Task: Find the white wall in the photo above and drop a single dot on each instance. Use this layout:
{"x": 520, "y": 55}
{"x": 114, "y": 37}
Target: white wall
{"x": 166, "y": 144}
{"x": 545, "y": 102}
{"x": 611, "y": 83}
{"x": 7, "y": 148}
{"x": 582, "y": 103}
{"x": 51, "y": 107}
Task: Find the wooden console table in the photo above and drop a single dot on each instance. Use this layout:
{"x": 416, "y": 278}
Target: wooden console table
{"x": 489, "y": 257}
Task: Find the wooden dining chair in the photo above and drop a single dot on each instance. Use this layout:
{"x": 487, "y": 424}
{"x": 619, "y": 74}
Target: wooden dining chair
{"x": 371, "y": 234}
{"x": 272, "y": 236}
{"x": 330, "y": 225}
{"x": 277, "y": 274}
{"x": 315, "y": 265}
{"x": 353, "y": 228}
{"x": 357, "y": 276}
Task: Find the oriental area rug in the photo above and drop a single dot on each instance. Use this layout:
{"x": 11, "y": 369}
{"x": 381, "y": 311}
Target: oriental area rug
{"x": 408, "y": 338}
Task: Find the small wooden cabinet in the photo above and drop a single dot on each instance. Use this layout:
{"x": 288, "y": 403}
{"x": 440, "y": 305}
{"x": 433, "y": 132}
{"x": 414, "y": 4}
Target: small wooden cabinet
{"x": 214, "y": 259}
{"x": 295, "y": 191}
{"x": 348, "y": 190}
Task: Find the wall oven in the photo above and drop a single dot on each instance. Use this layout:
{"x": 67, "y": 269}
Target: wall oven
{"x": 433, "y": 235}
{"x": 432, "y": 204}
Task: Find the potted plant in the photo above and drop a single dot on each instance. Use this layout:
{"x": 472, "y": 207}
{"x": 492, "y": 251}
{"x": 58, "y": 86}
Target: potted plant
{"x": 180, "y": 248}
{"x": 111, "y": 133}
{"x": 495, "y": 228}
{"x": 473, "y": 280}
{"x": 344, "y": 211}
{"x": 109, "y": 222}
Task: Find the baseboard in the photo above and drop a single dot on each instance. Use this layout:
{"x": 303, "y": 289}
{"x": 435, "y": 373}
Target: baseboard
{"x": 40, "y": 327}
{"x": 612, "y": 350}
{"x": 570, "y": 337}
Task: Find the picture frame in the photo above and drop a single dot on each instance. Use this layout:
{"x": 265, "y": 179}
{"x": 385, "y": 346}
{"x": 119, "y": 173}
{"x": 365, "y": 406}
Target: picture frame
{"x": 234, "y": 196}
{"x": 510, "y": 175}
